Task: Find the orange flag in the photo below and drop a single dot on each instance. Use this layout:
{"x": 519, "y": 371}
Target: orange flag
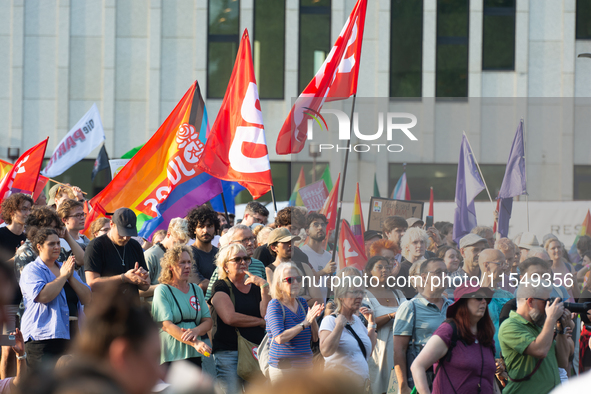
{"x": 350, "y": 253}
{"x": 236, "y": 148}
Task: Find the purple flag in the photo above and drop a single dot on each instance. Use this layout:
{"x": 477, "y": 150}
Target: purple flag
{"x": 513, "y": 182}
{"x": 468, "y": 185}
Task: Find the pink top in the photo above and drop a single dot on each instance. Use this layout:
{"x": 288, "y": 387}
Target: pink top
{"x": 5, "y": 385}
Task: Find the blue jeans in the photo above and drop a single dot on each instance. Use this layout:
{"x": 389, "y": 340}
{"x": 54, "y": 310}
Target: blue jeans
{"x": 226, "y": 371}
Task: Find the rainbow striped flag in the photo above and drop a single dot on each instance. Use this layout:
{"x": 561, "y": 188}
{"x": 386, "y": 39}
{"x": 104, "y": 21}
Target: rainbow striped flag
{"x": 357, "y": 225}
{"x": 585, "y": 230}
{"x": 401, "y": 190}
{"x": 162, "y": 180}
{"x": 295, "y": 198}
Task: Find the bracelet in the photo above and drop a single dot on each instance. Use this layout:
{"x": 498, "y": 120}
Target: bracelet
{"x": 265, "y": 285}
{"x": 374, "y": 326}
{"x": 123, "y": 278}
{"x": 23, "y": 357}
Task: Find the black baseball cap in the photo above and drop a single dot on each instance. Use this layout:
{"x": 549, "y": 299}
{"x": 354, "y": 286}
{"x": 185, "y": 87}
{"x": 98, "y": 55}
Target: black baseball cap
{"x": 126, "y": 221}
{"x": 369, "y": 234}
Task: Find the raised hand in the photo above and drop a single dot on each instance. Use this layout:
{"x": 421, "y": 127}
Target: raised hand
{"x": 314, "y": 312}
{"x": 255, "y": 280}
{"x": 367, "y": 313}
{"x": 19, "y": 343}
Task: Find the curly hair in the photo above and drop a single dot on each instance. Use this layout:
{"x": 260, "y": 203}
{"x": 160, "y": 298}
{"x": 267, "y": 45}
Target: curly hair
{"x": 288, "y": 216}
{"x": 313, "y": 216}
{"x": 199, "y": 216}
{"x": 42, "y": 217}
{"x": 171, "y": 258}
{"x": 12, "y": 204}
{"x": 380, "y": 244}
{"x": 67, "y": 206}
{"x": 41, "y": 236}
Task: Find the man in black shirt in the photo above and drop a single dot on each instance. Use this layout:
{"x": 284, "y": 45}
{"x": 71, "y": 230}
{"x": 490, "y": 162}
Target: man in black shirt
{"x": 203, "y": 225}
{"x": 115, "y": 257}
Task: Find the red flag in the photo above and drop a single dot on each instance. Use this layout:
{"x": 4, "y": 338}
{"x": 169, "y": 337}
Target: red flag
{"x": 41, "y": 181}
{"x": 350, "y": 253}
{"x": 496, "y": 221}
{"x": 236, "y": 149}
{"x": 431, "y": 202}
{"x": 335, "y": 80}
{"x": 330, "y": 207}
{"x": 23, "y": 176}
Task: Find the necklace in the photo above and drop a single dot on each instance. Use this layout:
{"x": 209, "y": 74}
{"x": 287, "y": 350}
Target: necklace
{"x": 119, "y": 254}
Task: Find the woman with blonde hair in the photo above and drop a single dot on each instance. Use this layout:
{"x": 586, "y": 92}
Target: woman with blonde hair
{"x": 345, "y": 342}
{"x": 561, "y": 268}
{"x": 290, "y": 323}
{"x": 241, "y": 304}
{"x": 180, "y": 308}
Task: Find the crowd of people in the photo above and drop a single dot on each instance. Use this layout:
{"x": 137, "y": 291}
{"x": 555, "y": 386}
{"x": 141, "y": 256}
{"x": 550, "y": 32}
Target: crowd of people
{"x": 255, "y": 306}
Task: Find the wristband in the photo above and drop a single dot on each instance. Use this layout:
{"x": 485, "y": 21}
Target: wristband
{"x": 373, "y": 326}
{"x": 123, "y": 278}
{"x": 265, "y": 285}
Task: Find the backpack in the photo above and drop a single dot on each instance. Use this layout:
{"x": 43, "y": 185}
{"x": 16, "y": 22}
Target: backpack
{"x": 265, "y": 346}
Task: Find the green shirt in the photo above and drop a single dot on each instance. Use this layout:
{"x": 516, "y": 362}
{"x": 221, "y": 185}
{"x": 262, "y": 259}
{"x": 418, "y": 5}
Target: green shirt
{"x": 515, "y": 335}
{"x": 164, "y": 307}
{"x": 256, "y": 267}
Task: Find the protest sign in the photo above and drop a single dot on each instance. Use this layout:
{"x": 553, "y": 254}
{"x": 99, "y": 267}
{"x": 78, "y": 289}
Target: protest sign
{"x": 116, "y": 166}
{"x": 382, "y": 208}
{"x": 85, "y": 136}
{"x": 314, "y": 195}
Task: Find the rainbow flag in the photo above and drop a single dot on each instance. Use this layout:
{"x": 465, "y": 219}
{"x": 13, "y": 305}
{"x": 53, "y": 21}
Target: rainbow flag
{"x": 585, "y": 230}
{"x": 162, "y": 180}
{"x": 357, "y": 226}
{"x": 401, "y": 190}
{"x": 295, "y": 198}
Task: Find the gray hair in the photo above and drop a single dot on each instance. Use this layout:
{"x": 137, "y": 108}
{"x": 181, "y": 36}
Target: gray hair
{"x": 232, "y": 230}
{"x": 346, "y": 283}
{"x": 224, "y": 254}
{"x": 525, "y": 291}
{"x": 275, "y": 290}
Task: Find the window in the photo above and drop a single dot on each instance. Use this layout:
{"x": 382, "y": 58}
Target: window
{"x": 498, "y": 35}
{"x": 583, "y": 22}
{"x": 582, "y": 183}
{"x": 222, "y": 44}
{"x": 452, "y": 48}
{"x": 79, "y": 175}
{"x": 314, "y": 39}
{"x": 442, "y": 177}
{"x": 406, "y": 48}
{"x": 280, "y": 172}
{"x": 269, "y": 47}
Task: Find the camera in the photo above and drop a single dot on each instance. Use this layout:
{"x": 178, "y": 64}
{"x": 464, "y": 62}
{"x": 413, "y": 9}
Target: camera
{"x": 574, "y": 307}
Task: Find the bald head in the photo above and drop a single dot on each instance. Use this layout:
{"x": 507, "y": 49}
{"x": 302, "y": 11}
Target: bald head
{"x": 492, "y": 261}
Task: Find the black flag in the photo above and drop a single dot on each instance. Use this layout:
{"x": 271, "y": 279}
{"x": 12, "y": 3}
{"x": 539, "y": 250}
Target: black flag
{"x": 101, "y": 162}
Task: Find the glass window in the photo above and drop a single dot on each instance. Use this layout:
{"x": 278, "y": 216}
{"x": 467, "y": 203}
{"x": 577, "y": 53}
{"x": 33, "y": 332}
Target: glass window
{"x": 452, "y": 48}
{"x": 583, "y": 22}
{"x": 498, "y": 35}
{"x": 582, "y": 183}
{"x": 406, "y": 48}
{"x": 222, "y": 44}
{"x": 314, "y": 39}
{"x": 442, "y": 177}
{"x": 280, "y": 172}
{"x": 269, "y": 47}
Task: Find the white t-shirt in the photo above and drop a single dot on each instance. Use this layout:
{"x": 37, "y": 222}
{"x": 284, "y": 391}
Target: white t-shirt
{"x": 348, "y": 354}
{"x": 82, "y": 241}
{"x": 318, "y": 262}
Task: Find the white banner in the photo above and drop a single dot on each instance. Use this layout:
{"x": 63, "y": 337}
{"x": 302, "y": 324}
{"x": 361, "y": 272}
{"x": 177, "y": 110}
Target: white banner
{"x": 85, "y": 136}
{"x": 116, "y": 166}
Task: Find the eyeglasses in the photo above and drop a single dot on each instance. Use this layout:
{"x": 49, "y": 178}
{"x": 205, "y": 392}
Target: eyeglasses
{"x": 239, "y": 260}
{"x": 78, "y": 216}
{"x": 438, "y": 272}
{"x": 504, "y": 265}
{"x": 245, "y": 240}
{"x": 292, "y": 279}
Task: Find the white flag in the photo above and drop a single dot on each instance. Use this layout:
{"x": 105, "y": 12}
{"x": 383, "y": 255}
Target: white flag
{"x": 85, "y": 136}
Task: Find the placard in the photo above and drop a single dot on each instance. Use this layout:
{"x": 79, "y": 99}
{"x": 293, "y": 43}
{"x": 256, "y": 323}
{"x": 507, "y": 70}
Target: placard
{"x": 314, "y": 195}
{"x": 382, "y": 208}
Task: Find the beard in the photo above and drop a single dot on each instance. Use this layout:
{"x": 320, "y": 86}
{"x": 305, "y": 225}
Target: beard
{"x": 318, "y": 237}
{"x": 538, "y": 317}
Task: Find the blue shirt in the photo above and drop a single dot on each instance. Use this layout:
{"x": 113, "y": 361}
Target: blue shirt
{"x": 43, "y": 321}
{"x": 297, "y": 350}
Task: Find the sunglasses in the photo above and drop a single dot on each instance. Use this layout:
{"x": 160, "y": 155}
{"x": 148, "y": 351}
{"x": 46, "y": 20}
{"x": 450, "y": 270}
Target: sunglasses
{"x": 239, "y": 260}
{"x": 292, "y": 279}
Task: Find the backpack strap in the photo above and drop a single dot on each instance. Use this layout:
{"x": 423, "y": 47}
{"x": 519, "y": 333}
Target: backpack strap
{"x": 231, "y": 292}
{"x": 183, "y": 320}
{"x": 361, "y": 345}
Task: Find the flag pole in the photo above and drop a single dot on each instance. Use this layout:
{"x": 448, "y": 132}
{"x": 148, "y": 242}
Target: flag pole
{"x": 334, "y": 251}
{"x": 478, "y": 166}
{"x": 225, "y": 208}
{"x": 525, "y": 164}
{"x": 273, "y": 197}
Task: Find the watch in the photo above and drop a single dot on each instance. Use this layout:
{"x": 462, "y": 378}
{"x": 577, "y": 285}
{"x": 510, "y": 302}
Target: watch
{"x": 303, "y": 325}
{"x": 23, "y": 357}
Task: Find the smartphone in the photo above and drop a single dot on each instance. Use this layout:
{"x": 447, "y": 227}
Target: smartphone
{"x": 429, "y": 222}
{"x": 7, "y": 340}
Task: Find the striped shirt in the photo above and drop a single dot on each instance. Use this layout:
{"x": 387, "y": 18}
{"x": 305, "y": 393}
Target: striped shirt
{"x": 256, "y": 268}
{"x": 296, "y": 352}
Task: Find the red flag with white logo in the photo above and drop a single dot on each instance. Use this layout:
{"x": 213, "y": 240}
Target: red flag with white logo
{"x": 23, "y": 176}
{"x": 236, "y": 149}
{"x": 350, "y": 253}
{"x": 335, "y": 80}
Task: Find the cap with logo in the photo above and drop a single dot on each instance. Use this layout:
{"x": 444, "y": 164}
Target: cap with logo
{"x": 126, "y": 221}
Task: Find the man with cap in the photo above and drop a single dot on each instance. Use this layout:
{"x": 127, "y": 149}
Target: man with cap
{"x": 415, "y": 222}
{"x": 59, "y": 193}
{"x": 115, "y": 257}
{"x": 470, "y": 247}
{"x": 528, "y": 241}
{"x": 280, "y": 245}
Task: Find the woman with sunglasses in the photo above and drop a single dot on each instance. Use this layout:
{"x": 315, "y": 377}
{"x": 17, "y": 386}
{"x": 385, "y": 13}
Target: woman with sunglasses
{"x": 245, "y": 314}
{"x": 384, "y": 302}
{"x": 465, "y": 355}
{"x": 345, "y": 342}
{"x": 291, "y": 323}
